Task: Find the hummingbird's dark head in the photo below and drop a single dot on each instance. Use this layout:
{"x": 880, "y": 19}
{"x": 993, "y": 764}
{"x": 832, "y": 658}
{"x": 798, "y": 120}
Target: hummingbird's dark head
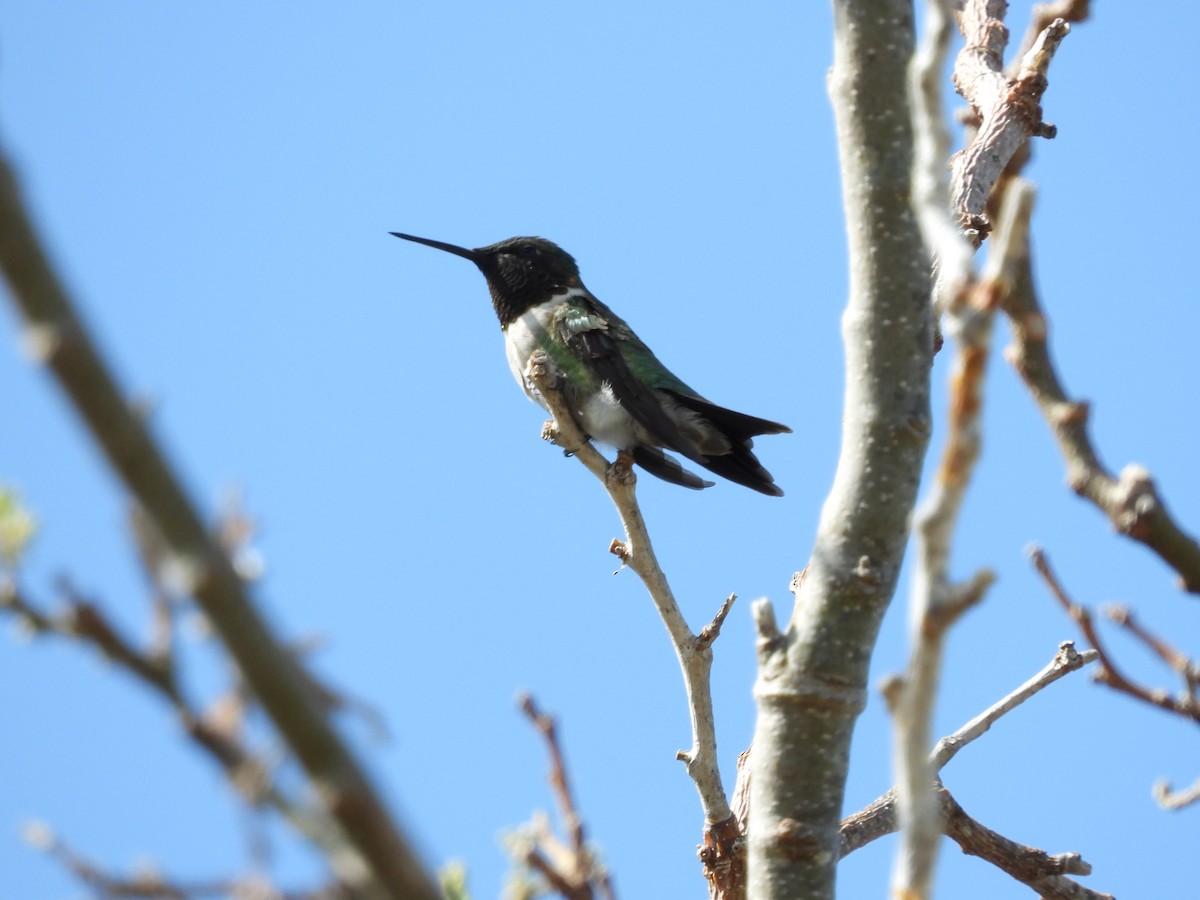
{"x": 524, "y": 271}
{"x": 521, "y": 272}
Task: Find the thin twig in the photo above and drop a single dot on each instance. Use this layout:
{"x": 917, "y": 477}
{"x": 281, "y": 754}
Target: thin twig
{"x": 571, "y": 869}
{"x": 1043, "y": 873}
{"x": 248, "y": 772}
{"x": 148, "y": 884}
{"x": 1131, "y": 501}
{"x": 862, "y": 827}
{"x": 693, "y": 651}
{"x": 559, "y": 782}
{"x": 951, "y": 253}
{"x": 1041, "y": 17}
{"x": 1183, "y": 665}
{"x": 1171, "y": 799}
{"x": 1109, "y": 674}
{"x": 1066, "y": 661}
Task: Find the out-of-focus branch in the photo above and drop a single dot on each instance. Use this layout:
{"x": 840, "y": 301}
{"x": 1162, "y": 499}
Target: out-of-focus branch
{"x": 951, "y": 253}
{"x": 1185, "y": 704}
{"x": 1042, "y": 17}
{"x": 1172, "y": 799}
{"x": 1131, "y": 501}
{"x": 1008, "y": 109}
{"x": 811, "y": 681}
{"x": 569, "y": 868}
{"x": 722, "y": 852}
{"x": 248, "y": 772}
{"x": 1109, "y": 673}
{"x": 58, "y": 339}
{"x": 936, "y": 601}
{"x": 148, "y": 884}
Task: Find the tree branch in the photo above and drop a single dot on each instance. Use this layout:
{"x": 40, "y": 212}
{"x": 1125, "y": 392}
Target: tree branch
{"x": 937, "y": 602}
{"x": 57, "y": 338}
{"x": 248, "y": 772}
{"x": 1028, "y": 865}
{"x": 1008, "y": 109}
{"x": 1131, "y": 501}
{"x": 150, "y": 884}
{"x": 1184, "y": 705}
{"x": 1045, "y": 874}
{"x": 1167, "y": 798}
{"x": 1042, "y": 17}
{"x": 571, "y": 869}
{"x": 859, "y": 829}
{"x": 722, "y": 845}
{"x": 866, "y": 825}
{"x": 811, "y": 682}
{"x": 1066, "y": 661}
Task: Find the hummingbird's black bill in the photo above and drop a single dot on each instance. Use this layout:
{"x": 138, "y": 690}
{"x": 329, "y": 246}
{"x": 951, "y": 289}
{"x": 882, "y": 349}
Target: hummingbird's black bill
{"x": 440, "y": 245}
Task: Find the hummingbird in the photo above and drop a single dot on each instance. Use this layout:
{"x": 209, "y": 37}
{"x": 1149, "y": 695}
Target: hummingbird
{"x": 618, "y": 391}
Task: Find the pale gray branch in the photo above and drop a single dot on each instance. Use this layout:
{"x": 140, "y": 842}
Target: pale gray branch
{"x": 1042, "y": 872}
{"x": 694, "y": 652}
{"x": 951, "y": 252}
{"x": 936, "y": 602}
{"x": 812, "y": 679}
{"x": 1168, "y": 798}
{"x": 1066, "y": 661}
{"x": 1008, "y": 109}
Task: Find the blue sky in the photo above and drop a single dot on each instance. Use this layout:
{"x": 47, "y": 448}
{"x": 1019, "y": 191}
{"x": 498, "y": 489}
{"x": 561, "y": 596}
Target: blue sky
{"x": 217, "y": 184}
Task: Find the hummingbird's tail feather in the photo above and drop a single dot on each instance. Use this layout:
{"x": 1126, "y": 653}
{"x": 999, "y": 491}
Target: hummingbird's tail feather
{"x": 741, "y": 466}
{"x": 662, "y": 466}
{"x": 734, "y": 424}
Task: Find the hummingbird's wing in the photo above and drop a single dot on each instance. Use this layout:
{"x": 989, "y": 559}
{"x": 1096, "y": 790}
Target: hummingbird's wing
{"x": 654, "y": 396}
{"x": 594, "y": 333}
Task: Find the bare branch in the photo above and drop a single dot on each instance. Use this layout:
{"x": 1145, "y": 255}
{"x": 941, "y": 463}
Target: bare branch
{"x": 1009, "y": 109}
{"x": 936, "y": 602}
{"x": 951, "y": 252}
{"x": 150, "y": 884}
{"x": 1066, "y": 661}
{"x": 1043, "y": 873}
{"x": 1167, "y": 798}
{"x": 570, "y": 869}
{"x": 878, "y": 818}
{"x": 1042, "y": 17}
{"x": 694, "y": 652}
{"x": 248, "y": 772}
{"x": 57, "y": 338}
{"x": 812, "y": 678}
{"x": 1109, "y": 673}
{"x": 1179, "y": 662}
{"x": 1131, "y": 501}
{"x": 1035, "y": 868}
{"x": 712, "y": 630}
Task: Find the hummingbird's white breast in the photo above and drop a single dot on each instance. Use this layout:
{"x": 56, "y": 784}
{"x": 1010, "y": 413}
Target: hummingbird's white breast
{"x": 598, "y": 413}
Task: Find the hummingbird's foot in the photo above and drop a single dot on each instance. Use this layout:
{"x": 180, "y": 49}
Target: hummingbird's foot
{"x": 621, "y": 469}
{"x": 550, "y": 435}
